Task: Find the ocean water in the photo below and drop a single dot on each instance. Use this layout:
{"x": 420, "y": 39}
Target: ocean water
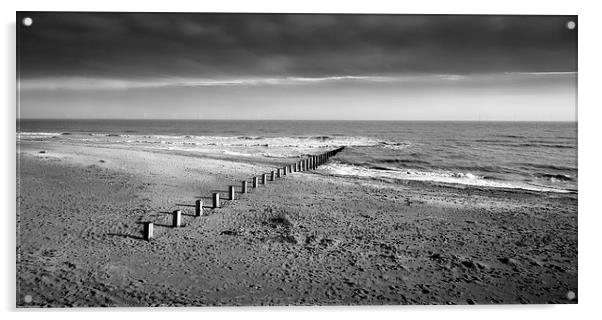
{"x": 538, "y": 156}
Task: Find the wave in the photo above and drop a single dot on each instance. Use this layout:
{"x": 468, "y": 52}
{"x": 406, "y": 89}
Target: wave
{"x": 256, "y": 146}
{"x": 424, "y": 164}
{"x": 404, "y": 161}
{"x": 546, "y": 145}
{"x": 494, "y": 141}
{"x": 487, "y": 169}
{"x": 446, "y": 177}
{"x": 237, "y": 141}
{"x": 394, "y": 145}
{"x": 555, "y": 177}
{"x": 303, "y": 142}
{"x": 322, "y": 138}
{"x": 513, "y": 136}
{"x": 548, "y": 167}
{"x": 25, "y": 134}
{"x": 36, "y": 136}
{"x": 526, "y": 144}
{"x": 377, "y": 167}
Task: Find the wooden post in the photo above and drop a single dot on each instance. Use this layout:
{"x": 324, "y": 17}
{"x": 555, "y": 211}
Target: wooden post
{"x": 244, "y": 187}
{"x": 177, "y": 219}
{"x": 198, "y": 208}
{"x": 272, "y": 175}
{"x": 264, "y": 178}
{"x": 232, "y": 195}
{"x": 254, "y": 182}
{"x": 148, "y": 231}
{"x": 215, "y": 200}
{"x": 290, "y": 168}
{"x": 284, "y": 170}
{"x": 278, "y": 173}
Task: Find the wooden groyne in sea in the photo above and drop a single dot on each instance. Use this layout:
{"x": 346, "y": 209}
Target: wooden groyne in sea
{"x": 308, "y": 163}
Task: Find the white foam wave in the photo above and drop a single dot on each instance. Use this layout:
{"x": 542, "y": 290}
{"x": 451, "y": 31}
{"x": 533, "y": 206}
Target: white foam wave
{"x": 303, "y": 142}
{"x": 340, "y": 169}
{"x": 37, "y": 134}
{"x": 238, "y": 154}
{"x": 395, "y": 146}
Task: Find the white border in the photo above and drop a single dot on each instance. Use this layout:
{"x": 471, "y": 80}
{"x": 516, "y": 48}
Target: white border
{"x": 590, "y": 210}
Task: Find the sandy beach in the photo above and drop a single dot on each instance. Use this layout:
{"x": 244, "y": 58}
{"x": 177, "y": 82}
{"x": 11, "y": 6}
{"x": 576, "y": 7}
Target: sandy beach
{"x": 310, "y": 238}
{"x": 453, "y": 176}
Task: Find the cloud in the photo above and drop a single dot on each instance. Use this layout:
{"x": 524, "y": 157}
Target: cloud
{"x": 81, "y": 83}
{"x": 96, "y": 84}
{"x": 151, "y": 45}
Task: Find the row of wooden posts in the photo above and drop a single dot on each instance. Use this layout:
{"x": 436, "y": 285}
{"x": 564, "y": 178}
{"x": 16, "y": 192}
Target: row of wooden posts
{"x": 307, "y": 164}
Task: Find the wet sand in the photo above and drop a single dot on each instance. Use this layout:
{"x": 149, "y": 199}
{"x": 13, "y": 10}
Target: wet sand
{"x": 306, "y": 239}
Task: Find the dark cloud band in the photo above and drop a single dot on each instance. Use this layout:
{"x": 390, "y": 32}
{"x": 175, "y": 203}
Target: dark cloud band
{"x": 161, "y": 45}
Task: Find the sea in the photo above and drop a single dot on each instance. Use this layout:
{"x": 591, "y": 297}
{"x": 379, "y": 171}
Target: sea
{"x": 535, "y": 156}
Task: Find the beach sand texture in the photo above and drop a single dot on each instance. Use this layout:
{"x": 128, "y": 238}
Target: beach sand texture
{"x": 309, "y": 238}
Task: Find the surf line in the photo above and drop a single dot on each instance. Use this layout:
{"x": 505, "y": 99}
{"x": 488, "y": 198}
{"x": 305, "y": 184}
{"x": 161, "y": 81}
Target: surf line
{"x": 312, "y": 162}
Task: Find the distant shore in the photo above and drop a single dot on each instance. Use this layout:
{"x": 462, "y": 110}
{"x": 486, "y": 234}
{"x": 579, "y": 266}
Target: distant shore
{"x": 305, "y": 239}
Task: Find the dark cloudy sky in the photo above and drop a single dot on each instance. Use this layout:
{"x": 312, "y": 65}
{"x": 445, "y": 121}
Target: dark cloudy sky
{"x": 272, "y": 66}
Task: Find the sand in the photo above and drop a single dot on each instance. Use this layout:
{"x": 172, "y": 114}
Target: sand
{"x": 306, "y": 239}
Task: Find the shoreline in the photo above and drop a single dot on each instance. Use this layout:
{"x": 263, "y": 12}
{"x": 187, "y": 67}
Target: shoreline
{"x": 307, "y": 239}
{"x": 267, "y": 156}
